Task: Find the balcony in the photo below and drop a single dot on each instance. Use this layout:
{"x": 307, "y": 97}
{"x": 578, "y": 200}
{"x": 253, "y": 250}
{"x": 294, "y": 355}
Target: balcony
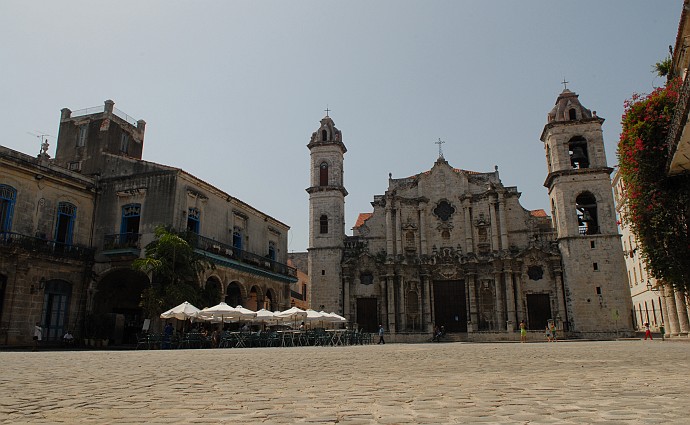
{"x": 45, "y": 246}
{"x": 122, "y": 244}
{"x": 231, "y": 253}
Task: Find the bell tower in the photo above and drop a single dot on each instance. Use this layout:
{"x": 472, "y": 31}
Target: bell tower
{"x": 584, "y": 216}
{"x": 326, "y": 217}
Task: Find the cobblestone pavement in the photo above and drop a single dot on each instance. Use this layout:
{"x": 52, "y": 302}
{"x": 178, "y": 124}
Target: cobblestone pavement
{"x": 625, "y": 382}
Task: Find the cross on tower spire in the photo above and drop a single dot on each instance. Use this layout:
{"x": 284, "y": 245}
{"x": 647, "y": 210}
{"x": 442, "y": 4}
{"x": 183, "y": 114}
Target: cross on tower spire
{"x": 327, "y": 110}
{"x": 440, "y": 150}
{"x": 565, "y": 84}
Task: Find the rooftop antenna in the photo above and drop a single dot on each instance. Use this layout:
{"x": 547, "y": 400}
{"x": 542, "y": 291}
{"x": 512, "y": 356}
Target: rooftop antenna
{"x": 40, "y": 135}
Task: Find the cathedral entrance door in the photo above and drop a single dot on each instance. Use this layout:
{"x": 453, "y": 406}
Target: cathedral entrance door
{"x": 450, "y": 307}
{"x": 538, "y": 311}
{"x": 367, "y": 314}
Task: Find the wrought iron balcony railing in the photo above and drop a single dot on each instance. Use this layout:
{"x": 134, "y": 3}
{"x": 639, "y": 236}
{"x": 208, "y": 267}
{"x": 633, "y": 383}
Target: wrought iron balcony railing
{"x": 45, "y": 246}
{"x": 122, "y": 241}
{"x": 228, "y": 251}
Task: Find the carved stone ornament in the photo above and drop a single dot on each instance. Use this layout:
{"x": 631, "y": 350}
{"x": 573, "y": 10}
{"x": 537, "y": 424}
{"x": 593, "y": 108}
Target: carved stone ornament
{"x": 535, "y": 272}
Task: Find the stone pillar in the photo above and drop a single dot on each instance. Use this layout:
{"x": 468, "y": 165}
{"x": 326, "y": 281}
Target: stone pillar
{"x": 560, "y": 296}
{"x": 500, "y": 296}
{"x": 389, "y": 231}
{"x": 383, "y": 290}
{"x": 426, "y": 302}
{"x": 391, "y": 302}
{"x": 398, "y": 231}
{"x": 422, "y": 231}
{"x": 494, "y": 225}
{"x": 502, "y": 221}
{"x": 469, "y": 246}
{"x": 664, "y": 310}
{"x": 402, "y": 304}
{"x": 682, "y": 314}
{"x": 673, "y": 325}
{"x": 473, "y": 303}
{"x": 518, "y": 298}
{"x": 346, "y": 295}
{"x": 510, "y": 301}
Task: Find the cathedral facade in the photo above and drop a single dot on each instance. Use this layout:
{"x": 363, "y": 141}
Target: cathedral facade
{"x": 454, "y": 248}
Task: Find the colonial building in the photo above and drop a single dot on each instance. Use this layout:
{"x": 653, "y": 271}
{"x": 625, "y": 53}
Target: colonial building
{"x": 72, "y": 225}
{"x": 454, "y": 248}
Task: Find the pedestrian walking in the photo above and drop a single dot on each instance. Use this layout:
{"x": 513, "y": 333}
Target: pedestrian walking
{"x": 552, "y": 327}
{"x": 647, "y": 331}
{"x": 38, "y": 335}
{"x": 548, "y": 333}
{"x": 381, "y": 332}
{"x": 663, "y": 331}
{"x": 523, "y": 331}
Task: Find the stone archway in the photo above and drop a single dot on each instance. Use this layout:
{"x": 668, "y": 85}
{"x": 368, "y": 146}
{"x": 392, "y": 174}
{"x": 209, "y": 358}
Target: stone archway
{"x": 233, "y": 294}
{"x": 211, "y": 292}
{"x": 116, "y": 311}
{"x": 270, "y": 301}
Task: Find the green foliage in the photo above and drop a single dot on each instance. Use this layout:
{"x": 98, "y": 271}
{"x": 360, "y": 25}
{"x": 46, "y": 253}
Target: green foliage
{"x": 663, "y": 68}
{"x": 174, "y": 267}
{"x": 657, "y": 207}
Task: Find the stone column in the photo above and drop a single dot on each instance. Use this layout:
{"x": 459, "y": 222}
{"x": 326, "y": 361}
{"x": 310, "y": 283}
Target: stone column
{"x": 473, "y": 303}
{"x": 500, "y": 296}
{"x": 502, "y": 221}
{"x": 391, "y": 302}
{"x": 494, "y": 225}
{"x": 664, "y": 310}
{"x": 670, "y": 301}
{"x": 383, "y": 290}
{"x": 346, "y": 295}
{"x": 510, "y": 301}
{"x": 389, "y": 231}
{"x": 422, "y": 231}
{"x": 426, "y": 302}
{"x": 402, "y": 304}
{"x": 682, "y": 314}
{"x": 560, "y": 296}
{"x": 469, "y": 246}
{"x": 398, "y": 231}
{"x": 518, "y": 298}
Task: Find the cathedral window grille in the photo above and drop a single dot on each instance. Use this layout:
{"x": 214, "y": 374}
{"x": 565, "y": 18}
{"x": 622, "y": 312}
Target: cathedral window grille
{"x": 8, "y": 195}
{"x": 323, "y": 174}
{"x": 83, "y": 134}
{"x": 535, "y": 272}
{"x": 193, "y": 220}
{"x": 444, "y": 210}
{"x": 586, "y": 206}
{"x": 124, "y": 143}
{"x": 272, "y": 250}
{"x": 366, "y": 278}
{"x": 237, "y": 237}
{"x": 323, "y": 224}
{"x": 64, "y": 226}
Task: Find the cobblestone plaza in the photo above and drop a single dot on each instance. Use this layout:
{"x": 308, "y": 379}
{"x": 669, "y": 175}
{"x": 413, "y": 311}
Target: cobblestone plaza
{"x": 623, "y": 382}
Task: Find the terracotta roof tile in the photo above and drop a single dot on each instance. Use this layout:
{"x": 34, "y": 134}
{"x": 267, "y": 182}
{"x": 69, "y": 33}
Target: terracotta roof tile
{"x": 538, "y": 213}
{"x": 362, "y": 218}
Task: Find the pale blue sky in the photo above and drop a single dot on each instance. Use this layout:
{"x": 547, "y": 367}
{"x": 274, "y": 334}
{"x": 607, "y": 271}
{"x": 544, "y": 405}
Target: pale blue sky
{"x": 231, "y": 91}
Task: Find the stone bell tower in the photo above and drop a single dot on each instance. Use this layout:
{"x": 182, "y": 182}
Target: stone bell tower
{"x": 583, "y": 212}
{"x": 326, "y": 217}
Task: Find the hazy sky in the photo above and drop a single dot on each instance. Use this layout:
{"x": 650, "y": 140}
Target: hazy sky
{"x": 232, "y": 90}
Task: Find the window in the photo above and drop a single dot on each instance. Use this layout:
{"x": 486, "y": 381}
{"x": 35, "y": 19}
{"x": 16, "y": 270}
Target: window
{"x": 64, "y": 226}
{"x": 586, "y": 205}
{"x": 55, "y": 309}
{"x": 592, "y": 244}
{"x": 272, "y": 250}
{"x": 8, "y": 196}
{"x": 124, "y": 143}
{"x": 323, "y": 224}
{"x": 577, "y": 148}
{"x": 572, "y": 114}
{"x": 598, "y": 289}
{"x": 193, "y": 218}
{"x": 324, "y": 135}
{"x": 83, "y": 134}
{"x": 323, "y": 174}
{"x": 595, "y": 267}
{"x": 366, "y": 278}
{"x": 129, "y": 226}
{"x": 237, "y": 237}
{"x": 74, "y": 166}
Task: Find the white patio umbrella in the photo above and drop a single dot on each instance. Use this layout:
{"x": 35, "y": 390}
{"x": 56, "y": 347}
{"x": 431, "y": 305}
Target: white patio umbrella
{"x": 183, "y": 311}
{"x": 315, "y": 316}
{"x": 265, "y": 316}
{"x": 337, "y": 317}
{"x": 293, "y": 314}
{"x": 222, "y": 310}
{"x": 244, "y": 313}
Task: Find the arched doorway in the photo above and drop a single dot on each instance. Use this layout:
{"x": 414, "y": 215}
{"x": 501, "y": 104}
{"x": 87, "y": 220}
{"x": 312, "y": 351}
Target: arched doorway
{"x": 233, "y": 295}
{"x": 270, "y": 301}
{"x": 253, "y": 299}
{"x": 116, "y": 311}
{"x": 56, "y": 300}
{"x": 210, "y": 294}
